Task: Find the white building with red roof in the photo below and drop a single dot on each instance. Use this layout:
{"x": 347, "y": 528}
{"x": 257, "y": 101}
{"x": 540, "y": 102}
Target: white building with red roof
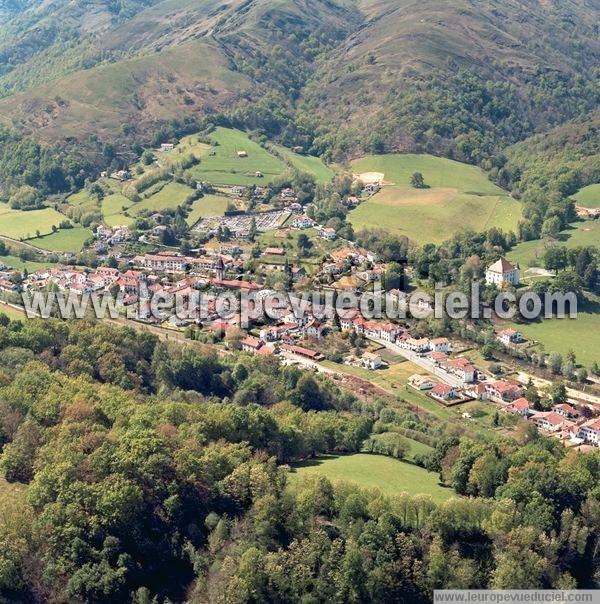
{"x": 419, "y": 346}
{"x": 443, "y": 392}
{"x": 566, "y": 410}
{"x": 502, "y": 271}
{"x": 504, "y": 391}
{"x": 439, "y": 344}
{"x": 520, "y": 406}
{"x": 590, "y": 431}
{"x": 548, "y": 420}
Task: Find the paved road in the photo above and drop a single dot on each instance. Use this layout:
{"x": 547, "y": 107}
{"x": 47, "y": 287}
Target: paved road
{"x": 422, "y": 362}
{"x": 574, "y": 395}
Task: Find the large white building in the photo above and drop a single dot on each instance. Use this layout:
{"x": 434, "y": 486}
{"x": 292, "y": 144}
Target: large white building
{"x": 502, "y": 271}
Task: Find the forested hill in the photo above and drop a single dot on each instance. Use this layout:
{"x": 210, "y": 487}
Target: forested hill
{"x": 339, "y": 77}
{"x": 458, "y": 77}
{"x": 142, "y": 471}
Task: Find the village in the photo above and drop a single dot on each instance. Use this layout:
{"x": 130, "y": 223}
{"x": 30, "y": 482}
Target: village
{"x": 446, "y": 376}
{"x": 266, "y": 242}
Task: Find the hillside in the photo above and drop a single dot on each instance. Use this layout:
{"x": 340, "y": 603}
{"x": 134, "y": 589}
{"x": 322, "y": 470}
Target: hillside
{"x": 466, "y": 80}
{"x": 461, "y": 78}
{"x": 561, "y": 161}
{"x": 119, "y": 73}
{"x": 458, "y": 77}
{"x": 457, "y": 197}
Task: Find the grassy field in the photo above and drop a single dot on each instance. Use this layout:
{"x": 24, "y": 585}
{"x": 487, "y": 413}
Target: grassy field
{"x": 226, "y": 168}
{"x": 17, "y": 224}
{"x": 209, "y": 205}
{"x": 187, "y": 145}
{"x": 171, "y": 195}
{"x": 16, "y": 263}
{"x": 530, "y": 253}
{"x": 561, "y": 335}
{"x": 417, "y": 448}
{"x": 437, "y": 172}
{"x": 588, "y": 197}
{"x": 460, "y": 196}
{"x": 307, "y": 163}
{"x": 13, "y": 315}
{"x": 114, "y": 204}
{"x": 82, "y": 199}
{"x": 65, "y": 240}
{"x": 390, "y": 476}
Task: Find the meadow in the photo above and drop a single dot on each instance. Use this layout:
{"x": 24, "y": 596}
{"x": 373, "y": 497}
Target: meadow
{"x": 28, "y": 265}
{"x": 221, "y": 165}
{"x": 561, "y": 335}
{"x": 390, "y": 476}
{"x": 17, "y": 224}
{"x": 115, "y": 204}
{"x": 82, "y": 199}
{"x": 459, "y": 196}
{"x": 307, "y": 163}
{"x": 588, "y": 197}
{"x": 530, "y": 253}
{"x": 437, "y": 172}
{"x": 65, "y": 240}
{"x": 169, "y": 196}
{"x": 209, "y": 205}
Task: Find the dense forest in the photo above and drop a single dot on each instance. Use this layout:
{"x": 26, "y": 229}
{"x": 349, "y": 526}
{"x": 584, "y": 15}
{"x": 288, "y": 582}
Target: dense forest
{"x": 139, "y": 469}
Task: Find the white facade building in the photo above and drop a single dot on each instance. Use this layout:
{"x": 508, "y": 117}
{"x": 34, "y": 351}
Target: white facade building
{"x": 502, "y": 271}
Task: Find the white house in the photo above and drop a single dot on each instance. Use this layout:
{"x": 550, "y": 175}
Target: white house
{"x": 443, "y": 392}
{"x": 519, "y": 407}
{"x": 328, "y": 233}
{"x": 370, "y": 360}
{"x": 590, "y": 431}
{"x": 389, "y": 332}
{"x": 303, "y": 222}
{"x": 315, "y": 328}
{"x": 421, "y": 382}
{"x": 503, "y": 391}
{"x": 510, "y": 336}
{"x": 419, "y": 346}
{"x": 439, "y": 345}
{"x": 502, "y": 271}
{"x": 548, "y": 420}
{"x": 566, "y": 410}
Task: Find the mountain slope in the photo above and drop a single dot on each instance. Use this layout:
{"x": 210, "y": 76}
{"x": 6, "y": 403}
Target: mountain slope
{"x": 156, "y": 61}
{"x": 447, "y": 77}
{"x": 464, "y": 79}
